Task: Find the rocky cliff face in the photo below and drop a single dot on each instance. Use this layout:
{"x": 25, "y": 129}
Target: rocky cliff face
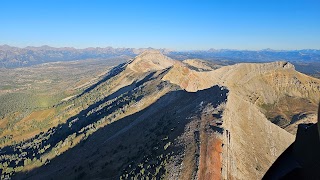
{"x": 273, "y": 87}
{"x": 160, "y": 118}
{"x": 251, "y": 141}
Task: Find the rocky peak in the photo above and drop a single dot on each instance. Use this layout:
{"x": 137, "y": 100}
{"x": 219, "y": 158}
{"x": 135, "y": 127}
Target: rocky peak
{"x": 151, "y": 55}
{"x": 285, "y": 65}
{"x": 150, "y": 60}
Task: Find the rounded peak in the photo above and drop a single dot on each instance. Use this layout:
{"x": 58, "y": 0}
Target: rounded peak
{"x": 150, "y": 51}
{"x": 151, "y": 55}
{"x": 150, "y": 60}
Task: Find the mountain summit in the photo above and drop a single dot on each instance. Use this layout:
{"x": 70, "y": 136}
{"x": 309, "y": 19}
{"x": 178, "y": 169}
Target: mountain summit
{"x": 161, "y": 118}
{"x": 150, "y": 60}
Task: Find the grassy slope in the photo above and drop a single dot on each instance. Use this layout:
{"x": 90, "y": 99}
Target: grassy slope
{"x": 27, "y": 94}
{"x": 110, "y": 101}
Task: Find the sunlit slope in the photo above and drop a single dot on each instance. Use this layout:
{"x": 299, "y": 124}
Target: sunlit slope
{"x": 157, "y": 117}
{"x": 283, "y": 94}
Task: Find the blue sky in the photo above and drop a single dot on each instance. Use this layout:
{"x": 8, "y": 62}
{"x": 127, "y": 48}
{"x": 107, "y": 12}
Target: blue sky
{"x": 174, "y": 24}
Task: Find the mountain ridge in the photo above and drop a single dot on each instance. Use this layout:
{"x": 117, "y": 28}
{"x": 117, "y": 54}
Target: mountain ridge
{"x": 12, "y": 57}
{"x": 196, "y": 124}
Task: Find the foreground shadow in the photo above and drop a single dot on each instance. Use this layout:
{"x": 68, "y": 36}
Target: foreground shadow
{"x": 113, "y": 72}
{"x": 302, "y": 158}
{"x": 122, "y": 145}
{"x": 15, "y": 155}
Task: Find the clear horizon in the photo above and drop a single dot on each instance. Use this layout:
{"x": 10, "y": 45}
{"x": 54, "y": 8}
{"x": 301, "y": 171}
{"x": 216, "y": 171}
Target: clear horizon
{"x": 158, "y": 48}
{"x": 177, "y": 25}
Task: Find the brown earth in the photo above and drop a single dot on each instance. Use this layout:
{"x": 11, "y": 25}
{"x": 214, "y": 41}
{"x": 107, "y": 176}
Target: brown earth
{"x": 169, "y": 121}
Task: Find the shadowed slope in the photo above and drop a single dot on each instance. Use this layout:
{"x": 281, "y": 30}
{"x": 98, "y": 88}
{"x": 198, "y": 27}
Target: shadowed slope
{"x": 274, "y": 87}
{"x": 140, "y": 123}
{"x": 302, "y": 159}
{"x": 154, "y": 138}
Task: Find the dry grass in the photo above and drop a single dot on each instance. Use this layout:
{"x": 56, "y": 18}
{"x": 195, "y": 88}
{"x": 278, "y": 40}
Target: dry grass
{"x": 38, "y": 115}
{"x": 288, "y": 108}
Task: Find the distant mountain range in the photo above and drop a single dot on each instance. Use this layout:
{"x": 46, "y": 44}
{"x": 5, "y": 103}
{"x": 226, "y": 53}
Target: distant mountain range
{"x": 13, "y": 57}
{"x": 266, "y": 55}
{"x": 158, "y": 118}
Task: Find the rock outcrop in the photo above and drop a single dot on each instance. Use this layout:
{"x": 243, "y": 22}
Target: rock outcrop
{"x": 168, "y": 120}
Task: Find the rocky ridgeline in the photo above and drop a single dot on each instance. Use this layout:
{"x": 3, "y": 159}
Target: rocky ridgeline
{"x": 161, "y": 118}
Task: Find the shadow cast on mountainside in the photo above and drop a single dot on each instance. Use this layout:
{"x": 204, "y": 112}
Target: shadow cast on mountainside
{"x": 30, "y": 148}
{"x": 120, "y": 146}
{"x": 301, "y": 160}
{"x": 113, "y": 72}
